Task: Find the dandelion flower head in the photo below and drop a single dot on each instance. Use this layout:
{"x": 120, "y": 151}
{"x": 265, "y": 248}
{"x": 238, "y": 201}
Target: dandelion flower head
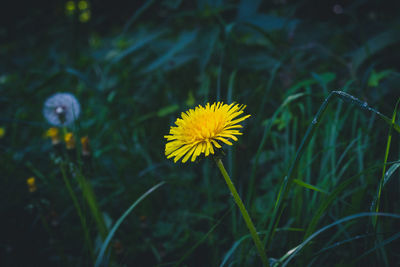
{"x": 61, "y": 109}
{"x": 69, "y": 140}
{"x": 201, "y": 129}
{"x": 31, "y": 182}
{"x": 2, "y": 132}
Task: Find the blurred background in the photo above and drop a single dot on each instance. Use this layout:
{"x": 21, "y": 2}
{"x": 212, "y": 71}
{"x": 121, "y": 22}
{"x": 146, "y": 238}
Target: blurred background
{"x": 135, "y": 66}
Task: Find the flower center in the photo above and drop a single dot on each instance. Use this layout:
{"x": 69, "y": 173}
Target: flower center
{"x": 206, "y": 127}
{"x": 60, "y": 110}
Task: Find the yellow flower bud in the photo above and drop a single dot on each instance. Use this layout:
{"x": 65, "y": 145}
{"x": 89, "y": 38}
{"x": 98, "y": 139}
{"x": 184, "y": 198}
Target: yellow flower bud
{"x": 2, "y": 132}
{"x": 31, "y": 182}
{"x": 85, "y": 146}
{"x": 54, "y": 134}
{"x": 69, "y": 140}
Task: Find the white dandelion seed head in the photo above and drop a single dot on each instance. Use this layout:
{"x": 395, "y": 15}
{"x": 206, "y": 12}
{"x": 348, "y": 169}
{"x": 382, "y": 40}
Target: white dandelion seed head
{"x": 61, "y": 109}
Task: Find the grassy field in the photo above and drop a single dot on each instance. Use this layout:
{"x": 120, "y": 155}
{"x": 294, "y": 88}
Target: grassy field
{"x": 316, "y": 166}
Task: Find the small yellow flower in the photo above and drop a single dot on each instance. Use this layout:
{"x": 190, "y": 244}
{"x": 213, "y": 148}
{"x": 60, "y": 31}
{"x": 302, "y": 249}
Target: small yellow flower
{"x": 69, "y": 7}
{"x": 2, "y": 132}
{"x": 200, "y": 129}
{"x": 85, "y": 146}
{"x": 31, "y": 182}
{"x": 84, "y": 16}
{"x": 54, "y": 134}
{"x": 82, "y": 5}
{"x": 69, "y": 140}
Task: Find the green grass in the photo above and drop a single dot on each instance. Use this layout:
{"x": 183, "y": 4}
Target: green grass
{"x": 316, "y": 166}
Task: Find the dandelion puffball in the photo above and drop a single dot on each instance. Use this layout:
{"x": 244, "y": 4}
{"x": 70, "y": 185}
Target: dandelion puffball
{"x": 61, "y": 109}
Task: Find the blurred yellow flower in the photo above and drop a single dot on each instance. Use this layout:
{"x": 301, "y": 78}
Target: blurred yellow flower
{"x": 2, "y": 132}
{"x": 84, "y": 16}
{"x": 69, "y": 140}
{"x": 31, "y": 182}
{"x": 53, "y": 133}
{"x": 82, "y": 5}
{"x": 85, "y": 146}
{"x": 200, "y": 129}
{"x": 69, "y": 7}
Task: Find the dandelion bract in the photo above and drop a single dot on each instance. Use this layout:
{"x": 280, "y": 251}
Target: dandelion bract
{"x": 201, "y": 129}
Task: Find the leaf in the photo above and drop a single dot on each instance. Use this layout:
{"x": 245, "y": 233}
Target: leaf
{"x": 390, "y": 172}
{"x": 373, "y": 46}
{"x": 248, "y": 8}
{"x": 268, "y": 23}
{"x": 376, "y": 77}
{"x": 257, "y": 61}
{"x": 141, "y": 42}
{"x": 190, "y": 101}
{"x": 167, "y": 110}
{"x": 325, "y": 77}
{"x": 309, "y": 186}
{"x": 208, "y": 43}
{"x": 232, "y": 249}
{"x": 185, "y": 39}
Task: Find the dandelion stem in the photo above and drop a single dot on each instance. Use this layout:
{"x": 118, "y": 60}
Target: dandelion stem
{"x": 79, "y": 211}
{"x": 244, "y": 212}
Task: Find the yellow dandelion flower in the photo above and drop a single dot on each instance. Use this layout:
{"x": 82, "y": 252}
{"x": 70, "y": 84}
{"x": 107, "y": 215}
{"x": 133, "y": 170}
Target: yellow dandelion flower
{"x": 2, "y": 132}
{"x": 69, "y": 140}
{"x": 84, "y": 16}
{"x": 31, "y": 182}
{"x": 85, "y": 146}
{"x": 200, "y": 129}
{"x": 54, "y": 134}
{"x": 82, "y": 5}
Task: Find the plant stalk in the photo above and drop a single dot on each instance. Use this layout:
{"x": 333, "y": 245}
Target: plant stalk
{"x": 244, "y": 212}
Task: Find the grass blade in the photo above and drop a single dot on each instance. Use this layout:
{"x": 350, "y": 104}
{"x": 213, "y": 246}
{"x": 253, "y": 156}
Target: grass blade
{"x": 185, "y": 39}
{"x": 389, "y": 140}
{"x": 340, "y": 221}
{"x": 137, "y": 45}
{"x": 309, "y": 186}
{"x": 267, "y": 130}
{"x": 188, "y": 253}
{"x": 288, "y": 180}
{"x": 120, "y": 220}
{"x": 379, "y": 245}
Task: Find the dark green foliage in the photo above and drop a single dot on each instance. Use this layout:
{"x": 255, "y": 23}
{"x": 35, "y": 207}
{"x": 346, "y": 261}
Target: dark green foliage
{"x": 135, "y": 67}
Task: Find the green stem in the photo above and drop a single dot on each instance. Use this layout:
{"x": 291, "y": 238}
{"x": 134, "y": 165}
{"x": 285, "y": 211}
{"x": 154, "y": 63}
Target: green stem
{"x": 79, "y": 211}
{"x": 244, "y": 212}
{"x": 88, "y": 194}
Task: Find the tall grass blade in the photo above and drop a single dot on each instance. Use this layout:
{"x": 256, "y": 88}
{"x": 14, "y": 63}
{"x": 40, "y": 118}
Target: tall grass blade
{"x": 119, "y": 221}
{"x": 378, "y": 246}
{"x": 136, "y": 15}
{"x": 389, "y": 140}
{"x": 337, "y": 222}
{"x": 184, "y": 39}
{"x": 288, "y": 180}
{"x": 309, "y": 186}
{"x": 233, "y": 248}
{"x": 267, "y": 130}
{"x": 144, "y": 40}
{"x": 332, "y": 197}
{"x": 188, "y": 253}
